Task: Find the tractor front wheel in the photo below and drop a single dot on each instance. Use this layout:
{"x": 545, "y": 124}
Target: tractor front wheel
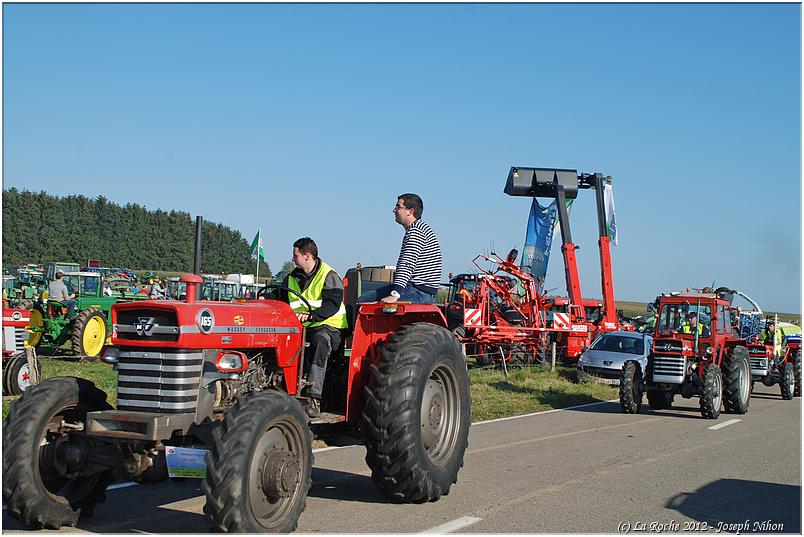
{"x": 89, "y": 333}
{"x": 16, "y": 374}
{"x": 712, "y": 395}
{"x": 630, "y": 391}
{"x": 787, "y": 381}
{"x": 35, "y": 487}
{"x": 417, "y": 414}
{"x": 736, "y": 381}
{"x": 259, "y": 466}
{"x": 796, "y": 357}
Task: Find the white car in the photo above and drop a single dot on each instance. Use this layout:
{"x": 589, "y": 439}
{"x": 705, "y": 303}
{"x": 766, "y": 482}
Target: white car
{"x": 603, "y": 361}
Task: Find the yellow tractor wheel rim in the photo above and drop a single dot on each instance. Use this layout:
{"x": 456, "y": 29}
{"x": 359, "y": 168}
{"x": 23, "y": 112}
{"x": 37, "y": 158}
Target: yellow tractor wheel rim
{"x": 94, "y": 336}
{"x": 36, "y": 321}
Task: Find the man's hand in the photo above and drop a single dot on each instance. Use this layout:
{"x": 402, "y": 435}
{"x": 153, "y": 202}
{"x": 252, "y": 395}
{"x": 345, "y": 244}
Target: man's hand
{"x": 389, "y": 299}
{"x": 303, "y": 316}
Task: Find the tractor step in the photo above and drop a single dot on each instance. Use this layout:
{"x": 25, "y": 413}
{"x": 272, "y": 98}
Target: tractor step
{"x": 328, "y": 417}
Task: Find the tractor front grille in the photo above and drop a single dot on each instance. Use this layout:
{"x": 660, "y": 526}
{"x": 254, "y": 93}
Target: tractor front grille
{"x": 147, "y": 325}
{"x": 759, "y": 366}
{"x": 668, "y": 369}
{"x": 20, "y": 337}
{"x": 166, "y": 382}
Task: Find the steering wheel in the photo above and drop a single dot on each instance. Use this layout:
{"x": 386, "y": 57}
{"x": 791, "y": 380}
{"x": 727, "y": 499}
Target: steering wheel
{"x": 264, "y": 294}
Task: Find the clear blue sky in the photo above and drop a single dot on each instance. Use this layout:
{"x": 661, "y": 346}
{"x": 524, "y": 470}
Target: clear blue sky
{"x": 311, "y": 119}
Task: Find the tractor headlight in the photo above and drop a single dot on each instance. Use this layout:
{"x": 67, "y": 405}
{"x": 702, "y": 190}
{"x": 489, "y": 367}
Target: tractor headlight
{"x": 110, "y": 354}
{"x": 231, "y": 362}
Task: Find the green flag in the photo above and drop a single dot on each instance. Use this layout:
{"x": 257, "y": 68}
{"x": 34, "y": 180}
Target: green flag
{"x": 256, "y": 247}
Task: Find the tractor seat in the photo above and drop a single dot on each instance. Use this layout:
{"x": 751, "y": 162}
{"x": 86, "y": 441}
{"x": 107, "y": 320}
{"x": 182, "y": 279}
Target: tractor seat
{"x": 358, "y": 281}
{"x": 56, "y": 308}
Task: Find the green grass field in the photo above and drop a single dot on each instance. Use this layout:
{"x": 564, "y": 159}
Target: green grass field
{"x": 527, "y": 390}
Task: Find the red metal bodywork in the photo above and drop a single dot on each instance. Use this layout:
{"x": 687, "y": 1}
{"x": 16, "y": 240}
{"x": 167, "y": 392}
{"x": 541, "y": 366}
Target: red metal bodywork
{"x": 15, "y": 318}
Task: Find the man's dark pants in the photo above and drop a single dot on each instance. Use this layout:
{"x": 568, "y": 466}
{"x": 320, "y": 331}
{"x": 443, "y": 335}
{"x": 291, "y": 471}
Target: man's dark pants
{"x": 323, "y": 341}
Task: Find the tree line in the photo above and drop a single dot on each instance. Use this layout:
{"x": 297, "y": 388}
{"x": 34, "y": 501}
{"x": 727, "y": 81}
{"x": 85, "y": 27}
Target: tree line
{"x": 38, "y": 228}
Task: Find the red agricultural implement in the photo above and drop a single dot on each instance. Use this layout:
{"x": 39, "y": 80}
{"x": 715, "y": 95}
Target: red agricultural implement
{"x": 561, "y": 185}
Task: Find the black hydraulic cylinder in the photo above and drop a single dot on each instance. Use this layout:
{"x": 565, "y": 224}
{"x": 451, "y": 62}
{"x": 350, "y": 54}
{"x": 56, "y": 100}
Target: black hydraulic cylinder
{"x": 563, "y": 217}
{"x": 601, "y": 205}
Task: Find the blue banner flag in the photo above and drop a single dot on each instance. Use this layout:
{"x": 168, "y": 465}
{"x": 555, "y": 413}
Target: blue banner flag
{"x": 539, "y": 237}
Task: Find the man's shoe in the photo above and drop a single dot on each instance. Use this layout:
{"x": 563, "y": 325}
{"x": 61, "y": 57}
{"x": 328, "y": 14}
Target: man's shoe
{"x": 314, "y": 408}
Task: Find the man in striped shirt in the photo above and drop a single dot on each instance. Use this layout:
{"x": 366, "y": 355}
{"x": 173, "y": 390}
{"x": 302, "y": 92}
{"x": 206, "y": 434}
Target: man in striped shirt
{"x": 418, "y": 269}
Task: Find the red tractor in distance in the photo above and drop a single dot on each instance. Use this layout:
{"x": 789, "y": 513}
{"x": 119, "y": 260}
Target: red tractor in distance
{"x": 18, "y": 373}
{"x": 227, "y": 377}
{"x": 772, "y": 364}
{"x": 696, "y": 352}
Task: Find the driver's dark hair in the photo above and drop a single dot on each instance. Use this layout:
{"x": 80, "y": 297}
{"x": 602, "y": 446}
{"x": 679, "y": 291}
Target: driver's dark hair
{"x": 306, "y": 245}
{"x": 413, "y": 201}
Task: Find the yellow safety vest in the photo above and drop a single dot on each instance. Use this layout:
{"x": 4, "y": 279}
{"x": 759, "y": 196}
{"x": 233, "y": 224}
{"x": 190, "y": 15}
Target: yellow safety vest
{"x": 313, "y": 295}
{"x": 687, "y": 329}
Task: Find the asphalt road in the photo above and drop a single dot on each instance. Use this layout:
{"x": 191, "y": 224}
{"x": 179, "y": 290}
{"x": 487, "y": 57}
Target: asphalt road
{"x": 587, "y": 469}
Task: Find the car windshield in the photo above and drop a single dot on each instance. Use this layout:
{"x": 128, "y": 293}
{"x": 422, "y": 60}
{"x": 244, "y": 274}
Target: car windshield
{"x": 682, "y": 318}
{"x": 617, "y": 343}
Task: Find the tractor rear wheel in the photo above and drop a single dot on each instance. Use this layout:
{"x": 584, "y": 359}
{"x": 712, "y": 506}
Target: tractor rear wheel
{"x": 37, "y": 323}
{"x": 712, "y": 395}
{"x": 796, "y": 357}
{"x": 16, "y": 374}
{"x": 787, "y": 381}
{"x": 417, "y": 414}
{"x": 34, "y": 488}
{"x": 630, "y": 391}
{"x": 89, "y": 333}
{"x": 660, "y": 400}
{"x": 259, "y": 466}
{"x": 736, "y": 381}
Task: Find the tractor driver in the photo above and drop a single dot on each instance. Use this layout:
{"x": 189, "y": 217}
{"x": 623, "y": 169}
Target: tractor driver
{"x": 321, "y": 286}
{"x": 691, "y": 326}
{"x": 57, "y": 290}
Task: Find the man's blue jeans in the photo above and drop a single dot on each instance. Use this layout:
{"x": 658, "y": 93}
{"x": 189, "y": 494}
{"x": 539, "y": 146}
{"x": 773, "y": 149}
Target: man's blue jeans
{"x": 409, "y": 294}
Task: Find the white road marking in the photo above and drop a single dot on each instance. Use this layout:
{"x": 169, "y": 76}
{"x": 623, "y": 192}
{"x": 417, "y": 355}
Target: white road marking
{"x": 330, "y": 448}
{"x": 454, "y": 525}
{"x": 543, "y": 412}
{"x": 724, "y": 424}
{"x": 122, "y": 485}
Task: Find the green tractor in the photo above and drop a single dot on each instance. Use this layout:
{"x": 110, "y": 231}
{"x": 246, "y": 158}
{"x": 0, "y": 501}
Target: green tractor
{"x": 88, "y": 328}
{"x": 28, "y": 287}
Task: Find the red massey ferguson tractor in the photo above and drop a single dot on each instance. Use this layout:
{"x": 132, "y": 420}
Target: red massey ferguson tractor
{"x": 18, "y": 375}
{"x": 783, "y": 369}
{"x": 695, "y": 353}
{"x": 227, "y": 377}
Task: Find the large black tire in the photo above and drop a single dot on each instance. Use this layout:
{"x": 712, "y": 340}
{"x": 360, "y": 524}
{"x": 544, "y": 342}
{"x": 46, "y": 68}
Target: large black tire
{"x": 33, "y": 492}
{"x": 259, "y": 466}
{"x": 417, "y": 414}
{"x": 796, "y": 358}
{"x": 787, "y": 382}
{"x": 660, "y": 400}
{"x": 89, "y": 333}
{"x": 630, "y": 390}
{"x": 712, "y": 395}
{"x": 736, "y": 381}
{"x": 16, "y": 374}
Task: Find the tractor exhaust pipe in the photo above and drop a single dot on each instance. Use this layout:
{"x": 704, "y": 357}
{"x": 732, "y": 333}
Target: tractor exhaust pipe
{"x": 199, "y": 220}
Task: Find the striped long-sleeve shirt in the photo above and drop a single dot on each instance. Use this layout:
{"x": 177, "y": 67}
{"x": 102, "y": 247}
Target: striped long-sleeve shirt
{"x": 419, "y": 260}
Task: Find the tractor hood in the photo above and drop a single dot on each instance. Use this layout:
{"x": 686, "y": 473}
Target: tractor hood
{"x": 205, "y": 324}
